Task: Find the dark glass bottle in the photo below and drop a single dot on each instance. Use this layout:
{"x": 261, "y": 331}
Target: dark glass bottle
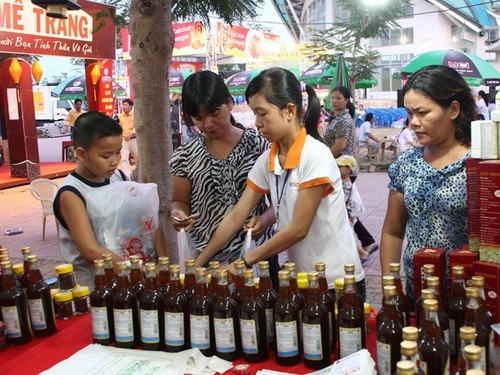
{"x": 456, "y": 309}
{"x": 473, "y": 318}
{"x": 419, "y": 307}
{"x": 329, "y": 301}
{"x": 352, "y": 335}
{"x": 14, "y": 308}
{"x": 239, "y": 282}
{"x": 467, "y": 337}
{"x": 252, "y": 314}
{"x": 433, "y": 350}
{"x": 40, "y": 306}
{"x": 315, "y": 327}
{"x": 409, "y": 352}
{"x": 473, "y": 355}
{"x": 226, "y": 321}
{"x": 485, "y": 315}
{"x": 5, "y": 258}
{"x": 151, "y": 312}
{"x": 125, "y": 311}
{"x": 26, "y": 251}
{"x": 163, "y": 276}
{"x": 269, "y": 297}
{"x": 101, "y": 307}
{"x": 386, "y": 281}
{"x": 136, "y": 276}
{"x": 410, "y": 333}
{"x": 213, "y": 268}
{"x": 201, "y": 323}
{"x": 444, "y": 320}
{"x": 189, "y": 279}
{"x": 427, "y": 271}
{"x": 403, "y": 303}
{"x": 405, "y": 367}
{"x": 176, "y": 314}
{"x": 389, "y": 333}
{"x": 287, "y": 323}
{"x": 298, "y": 297}
{"x": 110, "y": 272}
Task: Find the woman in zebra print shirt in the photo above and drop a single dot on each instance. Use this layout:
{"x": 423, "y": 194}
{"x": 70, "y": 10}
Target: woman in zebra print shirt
{"x": 209, "y": 172}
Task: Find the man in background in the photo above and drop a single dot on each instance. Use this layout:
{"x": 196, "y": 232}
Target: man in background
{"x": 366, "y": 138}
{"x": 129, "y": 145}
{"x": 73, "y": 115}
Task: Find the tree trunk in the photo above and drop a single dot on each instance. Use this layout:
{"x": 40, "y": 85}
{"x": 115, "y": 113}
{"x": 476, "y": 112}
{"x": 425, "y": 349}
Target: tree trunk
{"x": 152, "y": 43}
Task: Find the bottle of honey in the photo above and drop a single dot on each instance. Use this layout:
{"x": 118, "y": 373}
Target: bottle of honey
{"x": 409, "y": 352}
{"x": 252, "y": 314}
{"x": 151, "y": 312}
{"x": 287, "y": 323}
{"x": 26, "y": 251}
{"x": 213, "y": 268}
{"x": 101, "y": 307}
{"x": 352, "y": 335}
{"x": 40, "y": 306}
{"x": 315, "y": 327}
{"x": 402, "y": 300}
{"x": 239, "y": 282}
{"x": 269, "y": 297}
{"x": 125, "y": 311}
{"x": 473, "y": 354}
{"x": 110, "y": 272}
{"x": 444, "y": 320}
{"x": 136, "y": 276}
{"x": 189, "y": 279}
{"x": 176, "y": 314}
{"x": 473, "y": 318}
{"x": 163, "y": 276}
{"x": 456, "y": 309}
{"x": 298, "y": 297}
{"x": 329, "y": 301}
{"x": 226, "y": 321}
{"x": 14, "y": 308}
{"x": 467, "y": 337}
{"x": 201, "y": 323}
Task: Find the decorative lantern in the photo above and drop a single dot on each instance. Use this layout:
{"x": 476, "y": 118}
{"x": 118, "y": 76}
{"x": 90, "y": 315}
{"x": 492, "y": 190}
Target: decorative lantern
{"x": 37, "y": 71}
{"x": 95, "y": 74}
{"x": 15, "y": 71}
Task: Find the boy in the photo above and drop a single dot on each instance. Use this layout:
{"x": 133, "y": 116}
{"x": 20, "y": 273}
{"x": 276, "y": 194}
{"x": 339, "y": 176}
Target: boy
{"x": 94, "y": 207}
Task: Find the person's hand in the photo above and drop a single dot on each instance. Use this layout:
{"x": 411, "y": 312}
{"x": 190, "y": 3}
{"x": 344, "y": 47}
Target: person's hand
{"x": 258, "y": 227}
{"x": 181, "y": 220}
{"x": 230, "y": 270}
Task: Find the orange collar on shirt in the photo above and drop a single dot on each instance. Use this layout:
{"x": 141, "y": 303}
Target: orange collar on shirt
{"x": 293, "y": 156}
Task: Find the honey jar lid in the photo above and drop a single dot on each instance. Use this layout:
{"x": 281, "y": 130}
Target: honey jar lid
{"x": 339, "y": 283}
{"x": 63, "y": 268}
{"x": 63, "y": 296}
{"x": 18, "y": 268}
{"x": 81, "y": 291}
{"x": 302, "y": 283}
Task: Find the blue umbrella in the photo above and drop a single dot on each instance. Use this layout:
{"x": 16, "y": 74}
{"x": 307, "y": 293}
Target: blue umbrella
{"x": 71, "y": 89}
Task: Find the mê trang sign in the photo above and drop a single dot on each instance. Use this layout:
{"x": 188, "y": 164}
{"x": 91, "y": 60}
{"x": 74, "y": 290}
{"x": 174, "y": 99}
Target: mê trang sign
{"x": 25, "y": 29}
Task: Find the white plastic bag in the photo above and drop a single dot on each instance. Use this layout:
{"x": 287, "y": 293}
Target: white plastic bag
{"x": 187, "y": 249}
{"x": 247, "y": 247}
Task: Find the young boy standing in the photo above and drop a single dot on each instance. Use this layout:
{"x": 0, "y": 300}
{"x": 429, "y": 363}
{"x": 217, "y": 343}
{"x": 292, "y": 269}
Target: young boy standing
{"x": 99, "y": 211}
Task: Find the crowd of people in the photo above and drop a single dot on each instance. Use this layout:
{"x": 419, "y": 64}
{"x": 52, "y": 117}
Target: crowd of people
{"x": 294, "y": 188}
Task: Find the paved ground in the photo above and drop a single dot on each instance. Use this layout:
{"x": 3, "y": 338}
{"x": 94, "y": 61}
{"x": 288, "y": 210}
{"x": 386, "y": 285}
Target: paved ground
{"x": 19, "y": 209}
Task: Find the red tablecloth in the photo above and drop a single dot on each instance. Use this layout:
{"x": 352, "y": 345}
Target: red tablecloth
{"x": 76, "y": 333}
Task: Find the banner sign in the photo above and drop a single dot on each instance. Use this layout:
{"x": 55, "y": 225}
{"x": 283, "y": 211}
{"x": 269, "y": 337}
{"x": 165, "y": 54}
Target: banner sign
{"x": 88, "y": 33}
{"x": 190, "y": 39}
{"x": 105, "y": 99}
{"x": 243, "y": 42}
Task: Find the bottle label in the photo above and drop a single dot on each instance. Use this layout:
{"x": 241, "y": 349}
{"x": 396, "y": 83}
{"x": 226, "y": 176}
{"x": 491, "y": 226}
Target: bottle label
{"x": 311, "y": 341}
{"x": 200, "y": 331}
{"x": 224, "y": 335}
{"x": 350, "y": 340}
{"x": 11, "y": 320}
{"x": 287, "y": 342}
{"x": 150, "y": 326}
{"x": 453, "y": 343}
{"x": 330, "y": 328}
{"x": 124, "y": 325}
{"x": 383, "y": 358}
{"x": 270, "y": 325}
{"x": 248, "y": 336}
{"x": 423, "y": 367}
{"x": 37, "y": 315}
{"x": 174, "y": 328}
{"x": 100, "y": 325}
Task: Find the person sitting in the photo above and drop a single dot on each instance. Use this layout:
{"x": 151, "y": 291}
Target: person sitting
{"x": 366, "y": 137}
{"x": 407, "y": 138}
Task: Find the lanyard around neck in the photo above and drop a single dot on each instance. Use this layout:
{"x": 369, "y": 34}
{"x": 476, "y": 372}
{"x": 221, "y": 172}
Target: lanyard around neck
{"x": 280, "y": 195}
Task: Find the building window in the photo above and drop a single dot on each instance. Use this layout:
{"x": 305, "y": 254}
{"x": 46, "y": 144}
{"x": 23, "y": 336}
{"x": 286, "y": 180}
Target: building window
{"x": 395, "y": 37}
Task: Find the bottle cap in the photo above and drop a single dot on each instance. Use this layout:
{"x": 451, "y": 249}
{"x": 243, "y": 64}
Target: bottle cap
{"x": 32, "y": 258}
{"x": 107, "y": 256}
{"x": 5, "y": 265}
{"x": 248, "y": 274}
{"x": 174, "y": 268}
{"x": 200, "y": 271}
{"x": 290, "y": 266}
{"x": 471, "y": 292}
{"x": 320, "y": 266}
{"x": 312, "y": 276}
{"x": 427, "y": 294}
{"x": 4, "y": 257}
{"x": 121, "y": 265}
{"x": 214, "y": 264}
{"x": 410, "y": 333}
{"x": 349, "y": 268}
{"x": 428, "y": 268}
{"x": 472, "y": 352}
{"x": 53, "y": 292}
{"x": 467, "y": 333}
{"x": 339, "y": 284}
{"x": 477, "y": 281}
{"x": 283, "y": 274}
{"x": 390, "y": 290}
{"x": 263, "y": 265}
{"x": 189, "y": 262}
{"x": 405, "y": 368}
{"x": 164, "y": 260}
{"x": 98, "y": 263}
{"x": 4, "y": 251}
{"x": 408, "y": 348}
{"x": 63, "y": 296}
{"x": 302, "y": 275}
{"x": 221, "y": 273}
{"x": 134, "y": 259}
{"x": 26, "y": 250}
{"x": 457, "y": 270}
{"x": 150, "y": 267}
{"x": 394, "y": 267}
{"x": 366, "y": 308}
{"x": 18, "y": 268}
{"x": 302, "y": 283}
{"x": 81, "y": 291}
{"x": 349, "y": 280}
{"x": 430, "y": 305}
{"x": 433, "y": 281}
{"x": 63, "y": 268}
{"x": 388, "y": 280}
{"x": 239, "y": 264}
{"x": 475, "y": 371}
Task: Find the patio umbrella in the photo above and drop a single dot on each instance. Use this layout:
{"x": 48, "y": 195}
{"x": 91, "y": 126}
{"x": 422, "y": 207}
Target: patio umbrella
{"x": 238, "y": 83}
{"x": 119, "y": 91}
{"x": 176, "y": 80}
{"x": 318, "y": 74}
{"x": 71, "y": 89}
{"x": 340, "y": 78}
{"x": 473, "y": 69}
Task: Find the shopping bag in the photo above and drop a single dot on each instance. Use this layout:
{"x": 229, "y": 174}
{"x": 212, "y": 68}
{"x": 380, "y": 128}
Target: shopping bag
{"x": 187, "y": 249}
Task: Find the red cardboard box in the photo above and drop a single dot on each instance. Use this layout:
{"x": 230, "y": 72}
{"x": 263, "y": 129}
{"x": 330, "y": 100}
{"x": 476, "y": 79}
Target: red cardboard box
{"x": 473, "y": 201}
{"x": 465, "y": 258}
{"x": 491, "y": 274}
{"x": 489, "y": 200}
{"x": 434, "y": 256}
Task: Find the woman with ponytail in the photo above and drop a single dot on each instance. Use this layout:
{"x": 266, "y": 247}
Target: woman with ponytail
{"x": 302, "y": 178}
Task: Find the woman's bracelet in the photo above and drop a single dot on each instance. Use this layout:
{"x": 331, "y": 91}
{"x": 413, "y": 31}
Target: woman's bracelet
{"x": 247, "y": 265}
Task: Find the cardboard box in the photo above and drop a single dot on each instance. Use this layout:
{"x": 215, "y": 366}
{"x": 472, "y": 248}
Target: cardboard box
{"x": 427, "y": 255}
{"x": 489, "y": 203}
{"x": 491, "y": 273}
{"x": 473, "y": 201}
{"x": 465, "y": 258}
